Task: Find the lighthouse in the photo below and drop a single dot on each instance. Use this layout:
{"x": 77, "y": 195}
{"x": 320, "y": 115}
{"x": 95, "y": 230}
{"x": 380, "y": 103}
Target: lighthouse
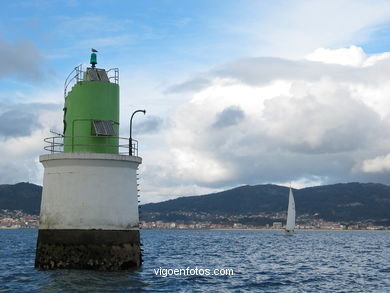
{"x": 89, "y": 210}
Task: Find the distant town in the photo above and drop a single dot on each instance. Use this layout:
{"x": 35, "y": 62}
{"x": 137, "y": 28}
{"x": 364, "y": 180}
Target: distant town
{"x": 319, "y": 225}
{"x": 276, "y": 221}
{"x": 16, "y": 219}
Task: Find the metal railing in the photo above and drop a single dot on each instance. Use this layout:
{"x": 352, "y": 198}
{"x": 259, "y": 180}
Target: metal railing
{"x": 74, "y": 77}
{"x": 77, "y": 74}
{"x": 115, "y": 75}
{"x": 55, "y": 144}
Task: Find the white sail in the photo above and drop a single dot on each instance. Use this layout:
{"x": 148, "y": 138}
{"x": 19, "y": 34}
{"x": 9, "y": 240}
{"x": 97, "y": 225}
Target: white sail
{"x": 290, "y": 225}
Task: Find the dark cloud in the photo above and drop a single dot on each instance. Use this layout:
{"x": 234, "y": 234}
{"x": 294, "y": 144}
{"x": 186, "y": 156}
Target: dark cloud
{"x": 20, "y": 59}
{"x": 151, "y": 124}
{"x": 19, "y": 120}
{"x": 299, "y": 138}
{"x": 262, "y": 70}
{"x": 16, "y": 123}
{"x": 229, "y": 116}
{"x": 192, "y": 85}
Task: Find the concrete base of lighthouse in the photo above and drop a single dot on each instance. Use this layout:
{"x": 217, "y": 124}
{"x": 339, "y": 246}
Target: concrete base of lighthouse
{"x": 105, "y": 250}
{"x": 89, "y": 212}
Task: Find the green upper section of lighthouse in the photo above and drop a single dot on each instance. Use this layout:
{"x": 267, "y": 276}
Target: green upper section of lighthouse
{"x": 91, "y": 111}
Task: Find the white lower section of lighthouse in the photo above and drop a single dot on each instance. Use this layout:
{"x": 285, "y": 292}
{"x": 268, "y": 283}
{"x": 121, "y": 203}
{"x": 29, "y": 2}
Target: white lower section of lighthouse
{"x": 89, "y": 205}
{"x": 89, "y": 191}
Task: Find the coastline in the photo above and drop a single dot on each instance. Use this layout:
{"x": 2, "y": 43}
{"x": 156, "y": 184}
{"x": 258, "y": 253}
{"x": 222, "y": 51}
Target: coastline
{"x": 231, "y": 229}
{"x": 260, "y": 229}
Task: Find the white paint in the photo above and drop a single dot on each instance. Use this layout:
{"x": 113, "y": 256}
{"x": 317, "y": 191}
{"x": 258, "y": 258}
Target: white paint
{"x": 89, "y": 191}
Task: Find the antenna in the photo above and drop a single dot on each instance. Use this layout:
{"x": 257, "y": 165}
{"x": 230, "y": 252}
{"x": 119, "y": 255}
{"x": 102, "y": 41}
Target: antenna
{"x": 54, "y": 132}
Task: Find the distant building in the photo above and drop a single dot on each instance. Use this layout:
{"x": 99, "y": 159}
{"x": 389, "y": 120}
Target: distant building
{"x": 277, "y": 225}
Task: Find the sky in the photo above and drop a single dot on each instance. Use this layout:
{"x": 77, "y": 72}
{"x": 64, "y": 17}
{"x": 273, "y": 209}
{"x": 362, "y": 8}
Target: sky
{"x": 236, "y": 92}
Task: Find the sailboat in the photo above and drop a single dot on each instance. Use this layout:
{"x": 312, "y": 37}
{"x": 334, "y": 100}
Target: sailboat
{"x": 290, "y": 225}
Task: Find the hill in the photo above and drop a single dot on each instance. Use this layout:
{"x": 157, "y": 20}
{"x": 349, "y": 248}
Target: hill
{"x": 348, "y": 202}
{"x": 21, "y": 196}
{"x": 258, "y": 204}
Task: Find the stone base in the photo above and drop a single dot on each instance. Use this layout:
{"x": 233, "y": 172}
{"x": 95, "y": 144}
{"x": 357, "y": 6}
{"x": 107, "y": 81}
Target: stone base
{"x": 104, "y": 250}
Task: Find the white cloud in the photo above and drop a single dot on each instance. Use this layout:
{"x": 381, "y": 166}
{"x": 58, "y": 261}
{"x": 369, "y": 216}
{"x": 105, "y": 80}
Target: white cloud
{"x": 377, "y": 165}
{"x": 293, "y": 125}
{"x": 352, "y": 56}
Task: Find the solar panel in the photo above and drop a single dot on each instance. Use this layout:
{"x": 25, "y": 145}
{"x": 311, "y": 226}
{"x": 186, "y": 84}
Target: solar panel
{"x": 96, "y": 74}
{"x": 104, "y": 127}
{"x": 102, "y": 75}
{"x": 92, "y": 74}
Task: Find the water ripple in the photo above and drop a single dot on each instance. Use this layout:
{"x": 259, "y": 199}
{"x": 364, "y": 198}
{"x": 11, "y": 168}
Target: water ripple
{"x": 262, "y": 261}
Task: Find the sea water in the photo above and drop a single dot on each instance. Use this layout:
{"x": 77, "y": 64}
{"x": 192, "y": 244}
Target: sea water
{"x": 217, "y": 261}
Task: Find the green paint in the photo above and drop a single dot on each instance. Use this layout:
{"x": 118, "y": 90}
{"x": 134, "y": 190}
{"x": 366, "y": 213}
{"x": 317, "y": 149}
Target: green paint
{"x": 87, "y": 101}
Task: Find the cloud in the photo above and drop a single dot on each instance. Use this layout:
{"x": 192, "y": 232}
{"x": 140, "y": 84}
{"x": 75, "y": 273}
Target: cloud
{"x": 20, "y": 59}
{"x": 21, "y": 120}
{"x": 322, "y": 121}
{"x": 352, "y": 56}
{"x": 23, "y": 128}
{"x": 378, "y": 164}
{"x": 189, "y": 86}
{"x": 264, "y": 70}
{"x": 230, "y": 116}
{"x": 151, "y": 124}
{"x": 260, "y": 120}
{"x": 17, "y": 123}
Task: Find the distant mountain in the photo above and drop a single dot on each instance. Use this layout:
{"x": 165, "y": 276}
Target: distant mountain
{"x": 21, "y": 196}
{"x": 350, "y": 202}
{"x": 338, "y": 202}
